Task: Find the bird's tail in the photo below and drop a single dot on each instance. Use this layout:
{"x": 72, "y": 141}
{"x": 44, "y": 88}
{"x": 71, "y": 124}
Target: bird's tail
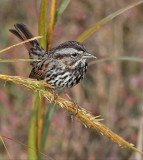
{"x": 34, "y": 48}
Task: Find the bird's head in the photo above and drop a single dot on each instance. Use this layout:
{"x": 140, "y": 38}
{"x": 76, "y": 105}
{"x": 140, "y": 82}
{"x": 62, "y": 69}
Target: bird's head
{"x": 71, "y": 53}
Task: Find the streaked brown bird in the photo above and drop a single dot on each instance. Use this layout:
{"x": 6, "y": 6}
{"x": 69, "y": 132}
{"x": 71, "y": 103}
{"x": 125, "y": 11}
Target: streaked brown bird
{"x": 63, "y": 66}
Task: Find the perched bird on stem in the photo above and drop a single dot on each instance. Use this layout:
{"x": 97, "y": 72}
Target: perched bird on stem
{"x": 63, "y": 66}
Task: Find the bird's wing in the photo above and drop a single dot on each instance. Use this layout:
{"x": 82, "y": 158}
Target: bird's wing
{"x": 38, "y": 72}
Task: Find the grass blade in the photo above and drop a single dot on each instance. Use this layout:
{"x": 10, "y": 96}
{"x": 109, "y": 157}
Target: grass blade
{"x": 41, "y": 112}
{"x": 6, "y": 148}
{"x": 125, "y": 58}
{"x": 47, "y": 122}
{"x": 51, "y": 23}
{"x": 24, "y": 145}
{"x": 17, "y": 60}
{"x": 32, "y": 137}
{"x": 42, "y": 23}
{"x": 15, "y": 45}
{"x": 61, "y": 9}
{"x": 91, "y": 30}
{"x": 43, "y": 42}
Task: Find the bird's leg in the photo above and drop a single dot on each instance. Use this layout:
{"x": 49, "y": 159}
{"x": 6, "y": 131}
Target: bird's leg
{"x": 74, "y": 104}
{"x": 54, "y": 96}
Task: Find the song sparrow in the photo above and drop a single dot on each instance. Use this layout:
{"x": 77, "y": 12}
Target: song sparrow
{"x": 63, "y": 66}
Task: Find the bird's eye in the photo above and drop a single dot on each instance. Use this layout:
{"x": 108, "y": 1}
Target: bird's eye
{"x": 74, "y": 54}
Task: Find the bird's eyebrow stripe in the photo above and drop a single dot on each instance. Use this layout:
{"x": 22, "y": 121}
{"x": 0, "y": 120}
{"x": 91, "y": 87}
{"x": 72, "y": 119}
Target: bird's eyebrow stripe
{"x": 68, "y": 50}
{"x": 60, "y": 56}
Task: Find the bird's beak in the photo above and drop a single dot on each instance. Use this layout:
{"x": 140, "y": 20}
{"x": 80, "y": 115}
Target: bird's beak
{"x": 88, "y": 55}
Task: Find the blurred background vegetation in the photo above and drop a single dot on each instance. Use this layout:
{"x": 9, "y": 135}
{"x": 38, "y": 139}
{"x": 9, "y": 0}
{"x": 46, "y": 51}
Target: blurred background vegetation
{"x": 111, "y": 89}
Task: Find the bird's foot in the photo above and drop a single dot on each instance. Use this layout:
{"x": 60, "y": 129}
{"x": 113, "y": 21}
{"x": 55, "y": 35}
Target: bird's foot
{"x": 53, "y": 92}
{"x": 74, "y": 105}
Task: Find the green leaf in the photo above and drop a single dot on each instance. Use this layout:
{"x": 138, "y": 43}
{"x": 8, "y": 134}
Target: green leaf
{"x": 61, "y": 9}
{"x": 94, "y": 28}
